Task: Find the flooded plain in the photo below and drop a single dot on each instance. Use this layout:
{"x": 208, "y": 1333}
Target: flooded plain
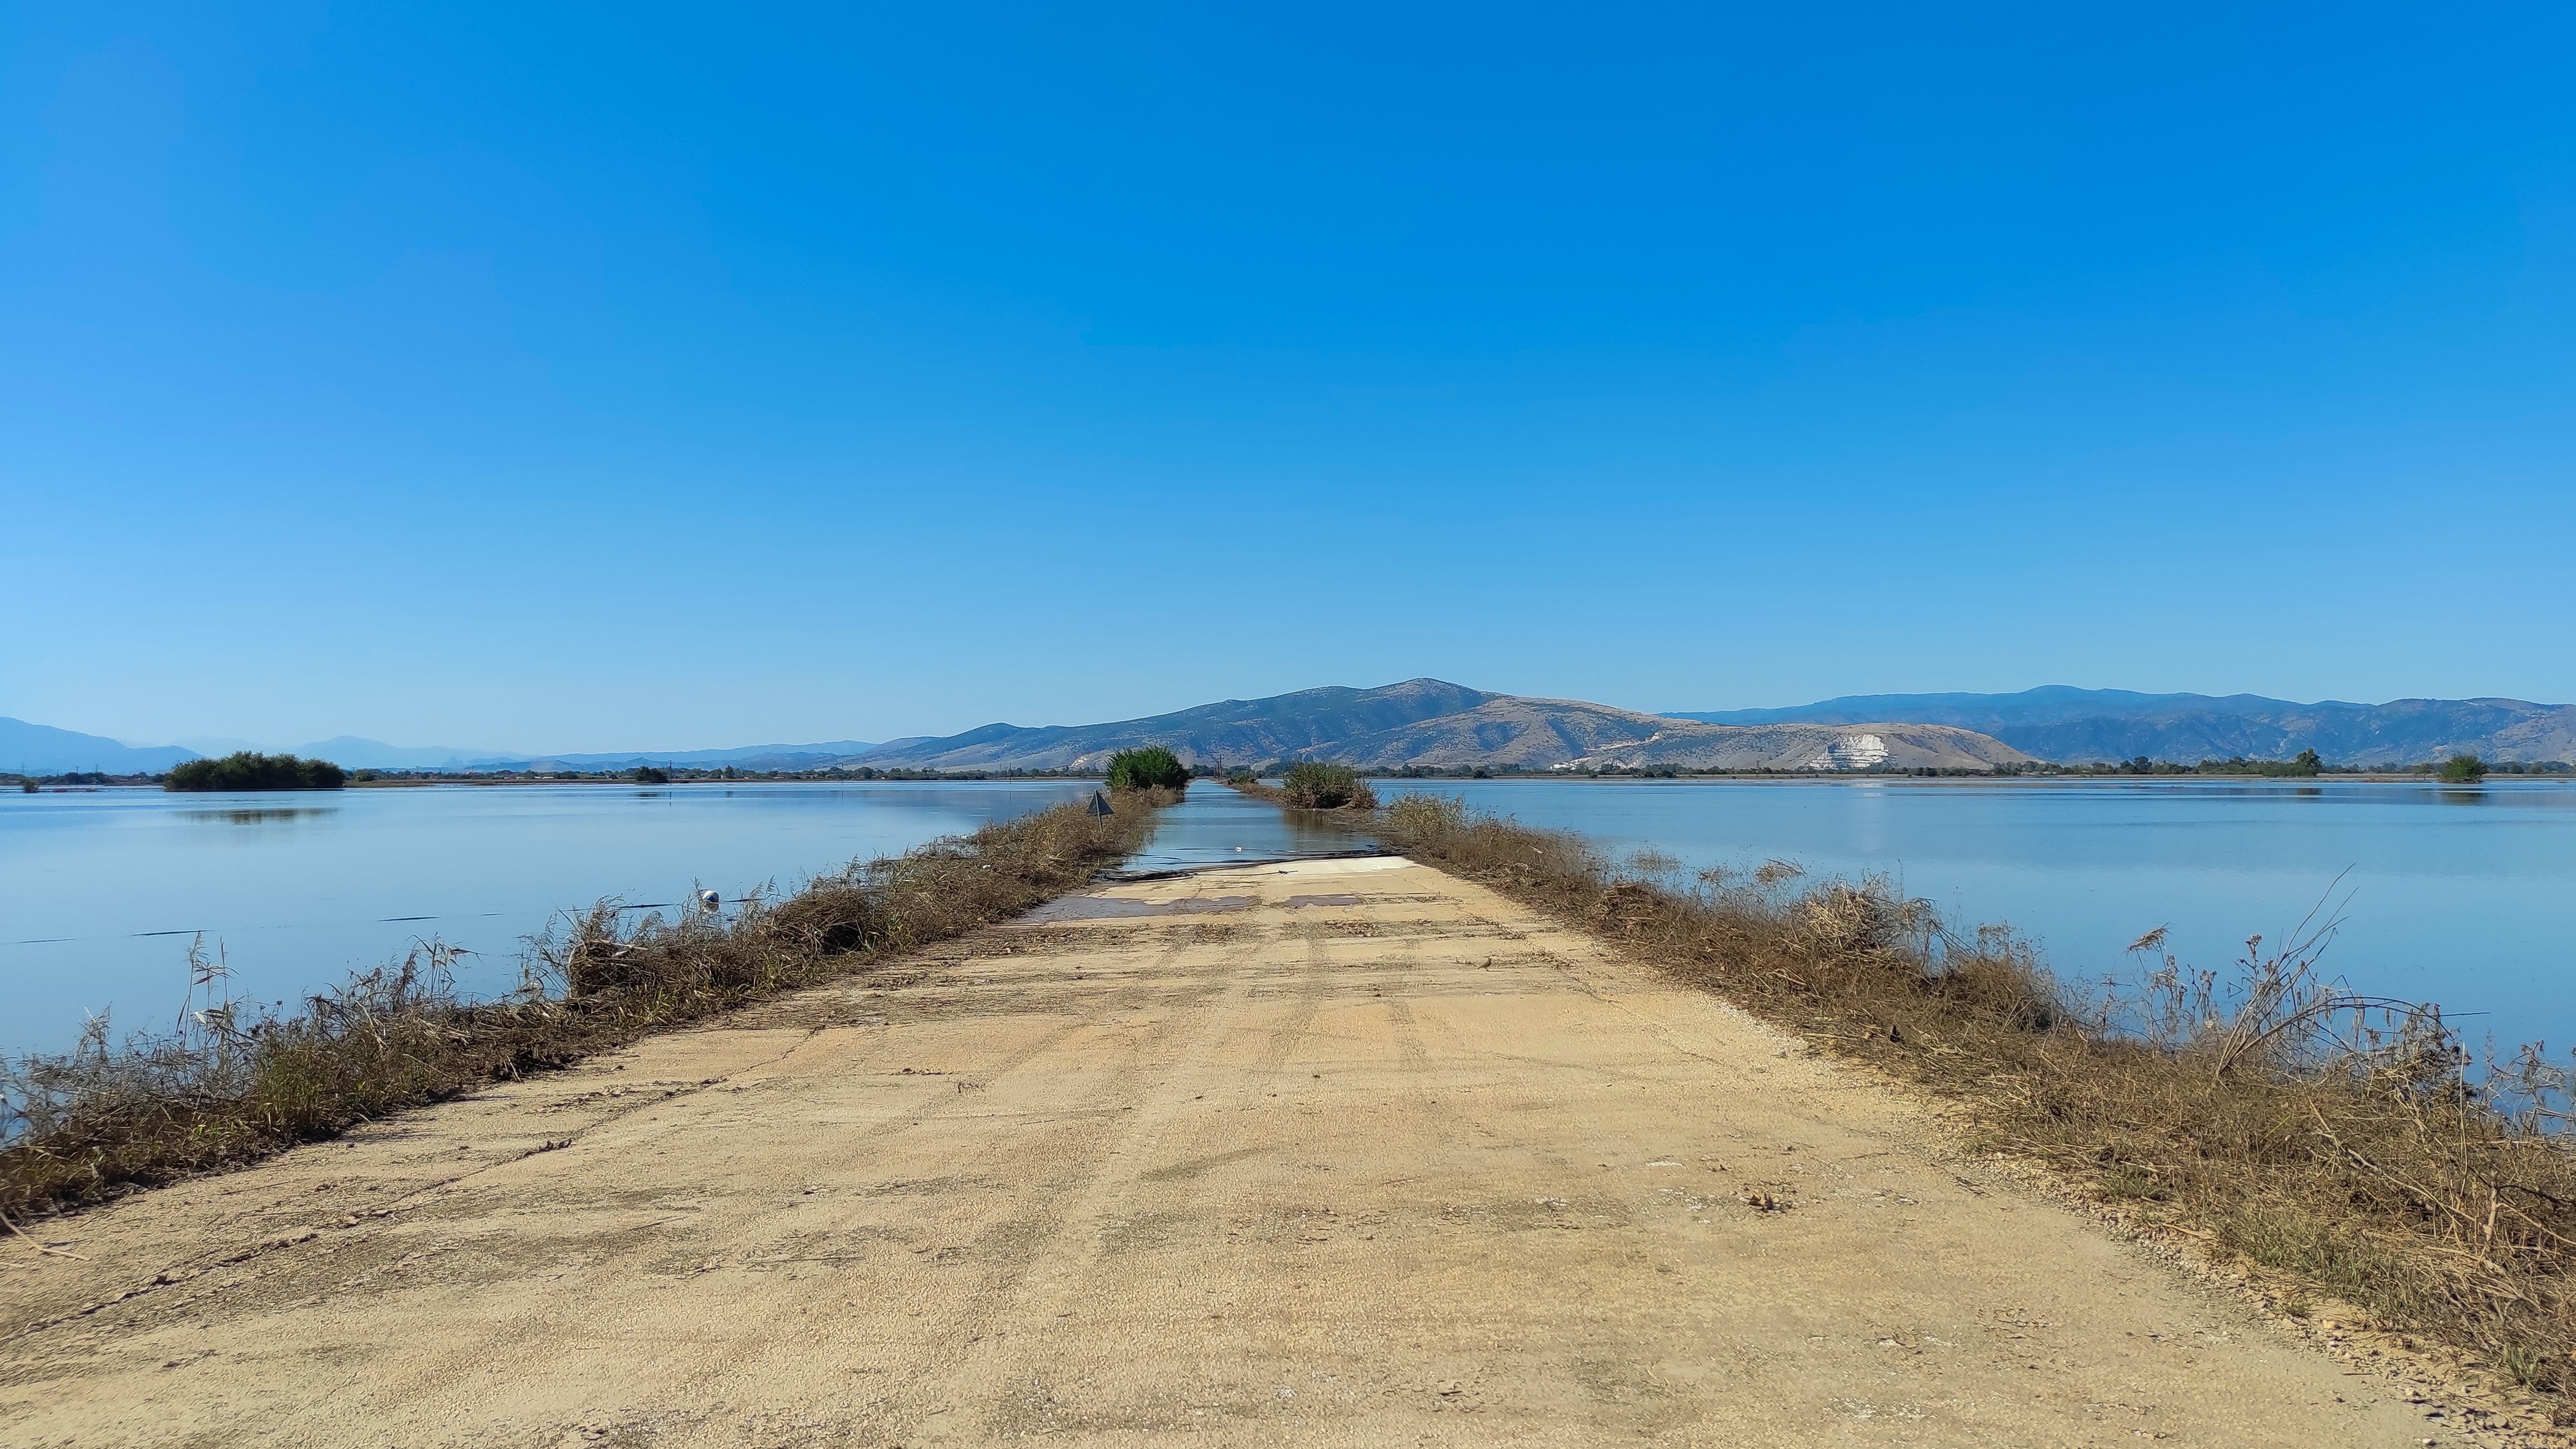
{"x": 2462, "y": 896}
{"x": 102, "y": 892}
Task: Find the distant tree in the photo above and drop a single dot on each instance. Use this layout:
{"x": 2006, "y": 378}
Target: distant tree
{"x": 2307, "y": 762}
{"x": 2462, "y": 770}
{"x": 1152, "y": 767}
{"x": 243, "y": 770}
{"x": 648, "y": 775}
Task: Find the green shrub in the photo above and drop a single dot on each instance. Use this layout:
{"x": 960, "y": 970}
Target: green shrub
{"x": 2463, "y": 770}
{"x": 648, "y": 775}
{"x": 1149, "y": 768}
{"x": 1311, "y": 785}
{"x": 243, "y": 770}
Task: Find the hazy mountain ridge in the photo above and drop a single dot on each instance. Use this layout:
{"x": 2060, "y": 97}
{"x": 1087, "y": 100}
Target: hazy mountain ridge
{"x": 44, "y": 750}
{"x": 2061, "y": 722}
{"x": 1432, "y": 723}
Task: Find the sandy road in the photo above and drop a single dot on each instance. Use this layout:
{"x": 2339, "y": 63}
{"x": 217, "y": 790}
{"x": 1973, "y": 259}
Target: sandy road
{"x": 1355, "y": 1155}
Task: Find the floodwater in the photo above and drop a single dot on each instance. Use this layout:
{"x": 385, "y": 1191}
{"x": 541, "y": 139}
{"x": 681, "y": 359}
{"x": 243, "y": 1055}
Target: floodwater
{"x": 1214, "y": 825}
{"x": 2461, "y": 896}
{"x": 102, "y": 892}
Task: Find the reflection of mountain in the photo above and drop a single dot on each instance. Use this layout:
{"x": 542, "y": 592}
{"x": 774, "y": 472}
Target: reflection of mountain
{"x": 1432, "y": 723}
{"x": 43, "y": 750}
{"x": 2058, "y": 722}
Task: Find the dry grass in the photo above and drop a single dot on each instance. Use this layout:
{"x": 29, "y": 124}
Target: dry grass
{"x": 2343, "y": 1142}
{"x": 1311, "y": 786}
{"x": 223, "y": 1089}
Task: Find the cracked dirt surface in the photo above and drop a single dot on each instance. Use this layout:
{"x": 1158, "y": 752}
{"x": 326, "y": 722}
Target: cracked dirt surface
{"x": 1377, "y": 1157}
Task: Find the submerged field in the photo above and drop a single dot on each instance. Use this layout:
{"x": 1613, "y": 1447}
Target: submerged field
{"x": 2466, "y": 897}
{"x": 101, "y": 893}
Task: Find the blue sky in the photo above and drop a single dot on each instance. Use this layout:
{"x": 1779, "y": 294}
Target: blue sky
{"x": 541, "y": 377}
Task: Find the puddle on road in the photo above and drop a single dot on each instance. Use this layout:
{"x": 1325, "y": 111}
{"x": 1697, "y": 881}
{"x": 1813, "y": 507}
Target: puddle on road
{"x": 1101, "y": 908}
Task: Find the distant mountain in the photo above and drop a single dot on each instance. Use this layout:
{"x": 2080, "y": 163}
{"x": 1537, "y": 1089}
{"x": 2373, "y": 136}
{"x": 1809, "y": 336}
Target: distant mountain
{"x": 1234, "y": 731}
{"x": 215, "y": 746}
{"x": 360, "y": 754}
{"x": 44, "y": 750}
{"x": 1429, "y": 722}
{"x": 351, "y": 752}
{"x": 743, "y": 757}
{"x": 2060, "y": 722}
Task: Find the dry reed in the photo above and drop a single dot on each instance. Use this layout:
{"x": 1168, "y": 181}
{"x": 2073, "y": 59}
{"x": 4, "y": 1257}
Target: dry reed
{"x": 227, "y": 1086}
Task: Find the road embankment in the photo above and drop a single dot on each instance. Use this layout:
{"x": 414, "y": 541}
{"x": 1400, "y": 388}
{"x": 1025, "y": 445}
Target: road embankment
{"x": 1328, "y": 1151}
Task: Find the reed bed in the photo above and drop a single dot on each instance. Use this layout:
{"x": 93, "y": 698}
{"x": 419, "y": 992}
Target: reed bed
{"x": 2340, "y": 1144}
{"x": 1309, "y": 785}
{"x": 226, "y": 1086}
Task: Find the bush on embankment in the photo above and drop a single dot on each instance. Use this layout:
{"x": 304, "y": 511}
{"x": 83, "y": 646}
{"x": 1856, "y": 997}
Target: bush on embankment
{"x": 243, "y": 770}
{"x": 230, "y": 1087}
{"x": 1309, "y": 785}
{"x": 2334, "y": 1140}
{"x": 1150, "y": 768}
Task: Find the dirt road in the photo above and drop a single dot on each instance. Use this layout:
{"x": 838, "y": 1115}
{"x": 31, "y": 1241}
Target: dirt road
{"x": 1338, "y": 1153}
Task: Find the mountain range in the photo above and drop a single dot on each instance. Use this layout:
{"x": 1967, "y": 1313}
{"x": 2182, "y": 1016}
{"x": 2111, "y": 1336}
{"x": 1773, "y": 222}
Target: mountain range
{"x": 44, "y": 750}
{"x": 2063, "y": 723}
{"x": 1433, "y": 723}
{"x": 1430, "y": 722}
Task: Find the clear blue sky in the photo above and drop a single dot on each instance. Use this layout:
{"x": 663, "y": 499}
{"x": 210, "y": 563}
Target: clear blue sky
{"x": 537, "y": 377}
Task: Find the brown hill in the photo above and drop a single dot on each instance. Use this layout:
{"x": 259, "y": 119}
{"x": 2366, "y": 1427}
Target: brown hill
{"x": 1429, "y": 723}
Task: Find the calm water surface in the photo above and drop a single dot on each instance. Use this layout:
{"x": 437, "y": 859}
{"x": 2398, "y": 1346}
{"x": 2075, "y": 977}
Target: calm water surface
{"x": 100, "y": 893}
{"x": 2466, "y": 897}
{"x": 1216, "y": 826}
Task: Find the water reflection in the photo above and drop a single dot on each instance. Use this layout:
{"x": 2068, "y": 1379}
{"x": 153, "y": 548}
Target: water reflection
{"x": 261, "y": 816}
{"x": 1214, "y": 825}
